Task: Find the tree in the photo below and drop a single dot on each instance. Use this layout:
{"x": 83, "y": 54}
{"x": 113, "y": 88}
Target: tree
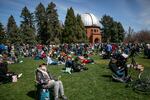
{"x": 12, "y": 31}
{"x": 54, "y": 27}
{"x": 69, "y": 34}
{"x": 129, "y": 33}
{"x": 41, "y": 20}
{"x": 142, "y": 36}
{"x": 117, "y": 34}
{"x": 2, "y": 34}
{"x": 81, "y": 33}
{"x": 27, "y": 27}
{"x": 107, "y": 23}
{"x": 121, "y": 32}
{"x": 113, "y": 31}
{"x": 114, "y": 35}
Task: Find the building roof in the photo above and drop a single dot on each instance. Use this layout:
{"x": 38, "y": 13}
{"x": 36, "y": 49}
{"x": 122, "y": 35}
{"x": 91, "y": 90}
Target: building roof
{"x": 89, "y": 19}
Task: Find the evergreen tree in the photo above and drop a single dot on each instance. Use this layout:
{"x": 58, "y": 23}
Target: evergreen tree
{"x": 12, "y": 31}
{"x": 27, "y": 28}
{"x": 54, "y": 28}
{"x": 2, "y": 34}
{"x": 107, "y": 23}
{"x": 41, "y": 20}
{"x": 112, "y": 31}
{"x": 81, "y": 33}
{"x": 69, "y": 34}
{"x": 121, "y": 32}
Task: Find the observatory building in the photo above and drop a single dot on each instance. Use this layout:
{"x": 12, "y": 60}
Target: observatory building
{"x": 92, "y": 26}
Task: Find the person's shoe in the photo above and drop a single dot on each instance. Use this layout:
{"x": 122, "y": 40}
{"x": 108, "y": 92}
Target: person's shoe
{"x": 64, "y": 98}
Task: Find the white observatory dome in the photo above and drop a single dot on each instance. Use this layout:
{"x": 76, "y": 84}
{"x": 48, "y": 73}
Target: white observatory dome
{"x": 89, "y": 19}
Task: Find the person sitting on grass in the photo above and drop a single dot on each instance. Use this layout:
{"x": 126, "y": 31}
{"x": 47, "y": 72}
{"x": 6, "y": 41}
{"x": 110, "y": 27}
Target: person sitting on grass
{"x": 68, "y": 64}
{"x": 46, "y": 80}
{"x": 76, "y": 65}
{"x": 5, "y": 74}
{"x": 43, "y": 54}
{"x": 61, "y": 59}
{"x": 50, "y": 61}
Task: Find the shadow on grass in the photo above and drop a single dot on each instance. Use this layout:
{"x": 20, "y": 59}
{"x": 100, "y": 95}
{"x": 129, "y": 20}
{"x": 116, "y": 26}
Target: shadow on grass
{"x": 110, "y": 78}
{"x": 107, "y": 76}
{"x": 32, "y": 94}
{"x": 5, "y": 82}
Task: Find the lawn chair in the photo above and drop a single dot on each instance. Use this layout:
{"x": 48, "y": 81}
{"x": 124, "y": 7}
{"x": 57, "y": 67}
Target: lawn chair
{"x": 42, "y": 93}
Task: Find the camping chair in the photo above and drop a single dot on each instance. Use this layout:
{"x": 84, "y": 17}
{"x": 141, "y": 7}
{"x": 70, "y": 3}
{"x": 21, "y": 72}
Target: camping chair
{"x": 42, "y": 93}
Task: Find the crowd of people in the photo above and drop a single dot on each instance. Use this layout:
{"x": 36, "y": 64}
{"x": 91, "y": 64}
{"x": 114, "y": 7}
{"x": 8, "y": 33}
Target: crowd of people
{"x": 118, "y": 55}
{"x": 74, "y": 57}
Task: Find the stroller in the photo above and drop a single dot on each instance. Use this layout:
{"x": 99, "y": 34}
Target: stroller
{"x": 118, "y": 66}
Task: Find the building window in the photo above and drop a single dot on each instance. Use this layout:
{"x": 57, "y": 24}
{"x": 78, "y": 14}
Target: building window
{"x": 91, "y": 30}
{"x": 94, "y": 30}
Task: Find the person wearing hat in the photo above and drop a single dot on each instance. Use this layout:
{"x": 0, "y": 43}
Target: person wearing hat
{"x": 46, "y": 80}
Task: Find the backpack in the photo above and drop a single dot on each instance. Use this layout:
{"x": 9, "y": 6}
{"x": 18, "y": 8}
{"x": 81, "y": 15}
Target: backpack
{"x": 44, "y": 94}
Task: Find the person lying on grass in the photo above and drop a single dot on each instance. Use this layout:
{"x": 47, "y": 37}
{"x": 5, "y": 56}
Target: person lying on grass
{"x": 86, "y": 59}
{"x": 50, "y": 61}
{"x": 45, "y": 79}
{"x": 73, "y": 65}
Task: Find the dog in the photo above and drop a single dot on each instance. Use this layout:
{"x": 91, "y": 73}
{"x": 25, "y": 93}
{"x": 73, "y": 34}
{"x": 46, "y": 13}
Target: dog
{"x": 138, "y": 67}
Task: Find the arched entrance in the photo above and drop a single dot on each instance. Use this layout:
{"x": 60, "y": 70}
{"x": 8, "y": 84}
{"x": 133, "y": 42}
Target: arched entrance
{"x": 96, "y": 40}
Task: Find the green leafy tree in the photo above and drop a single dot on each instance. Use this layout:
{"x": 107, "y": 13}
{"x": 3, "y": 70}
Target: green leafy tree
{"x": 41, "y": 20}
{"x": 27, "y": 27}
{"x": 107, "y": 23}
{"x": 121, "y": 32}
{"x": 54, "y": 27}
{"x": 81, "y": 33}
{"x": 112, "y": 31}
{"x": 69, "y": 34}
{"x": 2, "y": 34}
{"x": 12, "y": 31}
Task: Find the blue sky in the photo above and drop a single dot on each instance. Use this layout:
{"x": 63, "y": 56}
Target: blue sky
{"x": 134, "y": 13}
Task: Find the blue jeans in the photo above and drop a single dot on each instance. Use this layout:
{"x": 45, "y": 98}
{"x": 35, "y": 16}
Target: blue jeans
{"x": 54, "y": 63}
{"x": 68, "y": 64}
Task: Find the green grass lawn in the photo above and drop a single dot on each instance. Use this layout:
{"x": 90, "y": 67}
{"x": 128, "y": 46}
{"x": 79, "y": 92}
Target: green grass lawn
{"x": 93, "y": 84}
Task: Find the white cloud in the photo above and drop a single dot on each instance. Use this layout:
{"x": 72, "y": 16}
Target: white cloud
{"x": 144, "y": 14}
